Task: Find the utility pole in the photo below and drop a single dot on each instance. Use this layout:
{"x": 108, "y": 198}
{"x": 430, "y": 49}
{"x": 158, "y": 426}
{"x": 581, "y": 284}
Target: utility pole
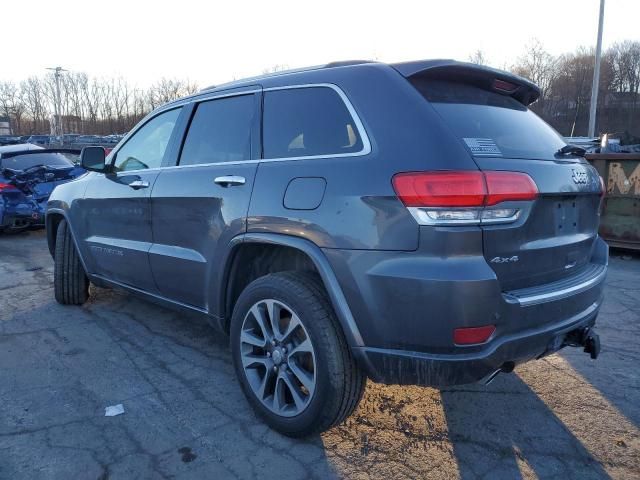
{"x": 596, "y": 76}
{"x": 57, "y": 73}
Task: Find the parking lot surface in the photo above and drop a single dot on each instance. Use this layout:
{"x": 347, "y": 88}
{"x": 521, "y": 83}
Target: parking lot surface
{"x": 565, "y": 416}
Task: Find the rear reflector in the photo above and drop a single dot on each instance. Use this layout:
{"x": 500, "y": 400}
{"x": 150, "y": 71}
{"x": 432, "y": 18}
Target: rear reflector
{"x": 473, "y": 335}
{"x": 462, "y": 188}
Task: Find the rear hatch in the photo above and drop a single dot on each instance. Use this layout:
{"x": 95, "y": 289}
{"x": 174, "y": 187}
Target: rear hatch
{"x": 554, "y": 234}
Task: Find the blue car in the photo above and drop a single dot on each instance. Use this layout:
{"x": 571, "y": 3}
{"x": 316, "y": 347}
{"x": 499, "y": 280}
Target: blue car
{"x": 28, "y": 175}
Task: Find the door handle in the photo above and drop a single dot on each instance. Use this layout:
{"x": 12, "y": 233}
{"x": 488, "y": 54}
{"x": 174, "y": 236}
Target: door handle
{"x": 138, "y": 184}
{"x": 230, "y": 180}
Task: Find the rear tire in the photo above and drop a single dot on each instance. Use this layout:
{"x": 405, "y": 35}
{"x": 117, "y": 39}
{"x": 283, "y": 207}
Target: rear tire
{"x": 333, "y": 383}
{"x": 69, "y": 278}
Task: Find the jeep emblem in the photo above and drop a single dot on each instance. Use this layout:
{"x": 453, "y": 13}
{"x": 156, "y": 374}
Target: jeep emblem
{"x": 580, "y": 177}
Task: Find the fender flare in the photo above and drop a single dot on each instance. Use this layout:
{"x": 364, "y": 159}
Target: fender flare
{"x": 315, "y": 254}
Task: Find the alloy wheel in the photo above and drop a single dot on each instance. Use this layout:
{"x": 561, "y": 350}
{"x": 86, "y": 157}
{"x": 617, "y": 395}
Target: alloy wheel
{"x": 278, "y": 358}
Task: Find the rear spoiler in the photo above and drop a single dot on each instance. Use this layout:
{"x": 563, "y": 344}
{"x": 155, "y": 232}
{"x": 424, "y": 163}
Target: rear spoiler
{"x": 487, "y": 78}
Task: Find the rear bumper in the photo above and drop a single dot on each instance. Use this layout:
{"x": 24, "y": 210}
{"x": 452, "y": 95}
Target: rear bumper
{"x": 407, "y": 305}
{"x": 21, "y": 214}
{"x": 419, "y": 368}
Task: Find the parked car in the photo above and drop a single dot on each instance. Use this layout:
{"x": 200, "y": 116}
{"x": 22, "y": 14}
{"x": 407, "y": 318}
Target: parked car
{"x": 42, "y": 140}
{"x": 411, "y": 223}
{"x": 28, "y": 174}
{"x": 70, "y": 137}
{"x": 89, "y": 140}
{"x": 9, "y": 140}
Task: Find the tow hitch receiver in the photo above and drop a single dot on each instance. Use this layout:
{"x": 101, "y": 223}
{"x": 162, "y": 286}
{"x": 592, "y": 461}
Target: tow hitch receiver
{"x": 587, "y": 338}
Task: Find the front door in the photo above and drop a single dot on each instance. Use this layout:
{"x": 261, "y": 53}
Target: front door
{"x": 200, "y": 204}
{"x": 116, "y": 229}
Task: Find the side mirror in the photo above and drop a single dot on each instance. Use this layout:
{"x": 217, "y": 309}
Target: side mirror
{"x": 93, "y": 159}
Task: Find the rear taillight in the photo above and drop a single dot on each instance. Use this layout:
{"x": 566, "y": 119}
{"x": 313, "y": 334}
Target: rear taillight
{"x": 5, "y": 187}
{"x": 441, "y": 189}
{"x": 463, "y": 197}
{"x": 509, "y": 186}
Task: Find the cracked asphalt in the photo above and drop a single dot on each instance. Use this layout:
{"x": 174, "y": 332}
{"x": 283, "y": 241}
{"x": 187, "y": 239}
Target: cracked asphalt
{"x": 565, "y": 416}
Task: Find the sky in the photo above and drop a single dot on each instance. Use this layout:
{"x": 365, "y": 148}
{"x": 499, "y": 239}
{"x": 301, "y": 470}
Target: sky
{"x": 211, "y": 42}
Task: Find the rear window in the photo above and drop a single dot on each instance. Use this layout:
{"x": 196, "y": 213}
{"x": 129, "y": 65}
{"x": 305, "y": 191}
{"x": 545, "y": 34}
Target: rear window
{"x": 491, "y": 124}
{"x": 309, "y": 121}
{"x": 22, "y": 162}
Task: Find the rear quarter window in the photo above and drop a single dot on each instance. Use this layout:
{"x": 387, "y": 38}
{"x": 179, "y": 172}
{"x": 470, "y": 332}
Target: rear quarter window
{"x": 488, "y": 123}
{"x": 308, "y": 121}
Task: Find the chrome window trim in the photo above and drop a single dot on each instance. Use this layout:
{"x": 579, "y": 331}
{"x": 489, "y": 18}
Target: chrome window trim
{"x": 366, "y": 143}
{"x": 214, "y": 96}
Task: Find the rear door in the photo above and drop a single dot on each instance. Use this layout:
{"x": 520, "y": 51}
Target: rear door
{"x": 116, "y": 224}
{"x": 554, "y": 234}
{"x": 201, "y": 203}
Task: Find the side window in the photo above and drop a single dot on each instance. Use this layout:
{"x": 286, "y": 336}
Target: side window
{"x": 220, "y": 131}
{"x": 300, "y": 122}
{"x": 146, "y": 147}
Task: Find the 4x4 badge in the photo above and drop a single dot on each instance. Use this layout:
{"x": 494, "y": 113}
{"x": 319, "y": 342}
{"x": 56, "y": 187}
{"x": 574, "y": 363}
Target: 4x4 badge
{"x": 579, "y": 176}
{"x": 504, "y": 259}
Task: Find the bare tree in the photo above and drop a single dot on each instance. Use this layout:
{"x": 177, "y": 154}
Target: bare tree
{"x": 11, "y": 104}
{"x": 35, "y": 104}
{"x": 478, "y": 57}
{"x": 166, "y": 90}
{"x": 625, "y": 63}
{"x": 539, "y": 66}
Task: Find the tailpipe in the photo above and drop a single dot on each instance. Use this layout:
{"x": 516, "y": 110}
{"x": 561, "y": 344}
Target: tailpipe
{"x": 507, "y": 367}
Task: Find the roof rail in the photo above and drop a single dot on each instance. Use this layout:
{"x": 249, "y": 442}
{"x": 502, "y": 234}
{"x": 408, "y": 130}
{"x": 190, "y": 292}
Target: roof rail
{"x": 341, "y": 63}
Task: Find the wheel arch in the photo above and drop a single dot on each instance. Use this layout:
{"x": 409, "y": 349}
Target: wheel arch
{"x": 305, "y": 251}
{"x": 52, "y": 221}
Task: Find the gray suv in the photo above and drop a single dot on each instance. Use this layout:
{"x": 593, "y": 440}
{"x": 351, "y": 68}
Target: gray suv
{"x": 410, "y": 223}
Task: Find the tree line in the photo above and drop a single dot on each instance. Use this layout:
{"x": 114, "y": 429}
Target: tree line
{"x": 89, "y": 105}
{"x": 566, "y": 82}
{"x": 92, "y": 105}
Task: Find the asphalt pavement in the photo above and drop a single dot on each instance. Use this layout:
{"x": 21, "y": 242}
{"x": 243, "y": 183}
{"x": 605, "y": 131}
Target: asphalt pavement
{"x": 564, "y": 416}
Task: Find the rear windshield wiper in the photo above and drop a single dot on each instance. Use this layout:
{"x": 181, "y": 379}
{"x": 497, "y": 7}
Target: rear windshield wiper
{"x": 571, "y": 149}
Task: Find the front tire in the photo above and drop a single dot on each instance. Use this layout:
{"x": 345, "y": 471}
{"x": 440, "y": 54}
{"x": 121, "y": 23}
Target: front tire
{"x": 70, "y": 281}
{"x": 291, "y": 357}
